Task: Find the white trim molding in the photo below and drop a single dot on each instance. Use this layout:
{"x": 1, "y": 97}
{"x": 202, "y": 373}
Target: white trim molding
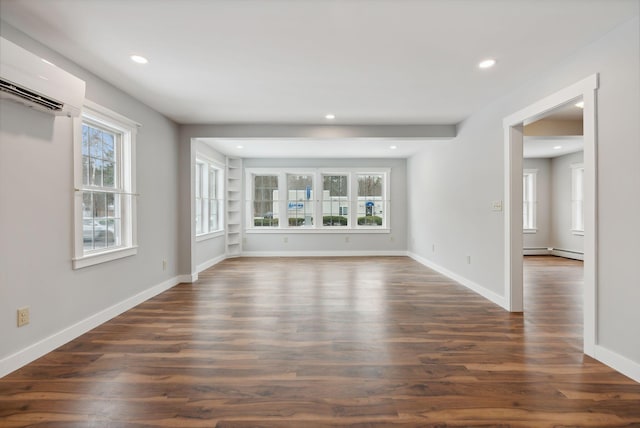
{"x": 209, "y": 263}
{"x": 618, "y": 362}
{"x": 398, "y": 253}
{"x": 25, "y": 356}
{"x": 567, "y": 254}
{"x": 475, "y": 287}
{"x": 513, "y": 147}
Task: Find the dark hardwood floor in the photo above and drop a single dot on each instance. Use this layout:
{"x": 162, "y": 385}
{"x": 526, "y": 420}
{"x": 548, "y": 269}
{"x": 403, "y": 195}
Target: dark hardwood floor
{"x": 316, "y": 342}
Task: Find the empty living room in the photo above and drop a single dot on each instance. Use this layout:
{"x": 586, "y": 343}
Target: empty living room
{"x": 319, "y": 213}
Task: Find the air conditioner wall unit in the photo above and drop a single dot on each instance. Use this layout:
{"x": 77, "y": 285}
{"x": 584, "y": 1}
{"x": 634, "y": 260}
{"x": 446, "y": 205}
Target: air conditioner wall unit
{"x": 37, "y": 83}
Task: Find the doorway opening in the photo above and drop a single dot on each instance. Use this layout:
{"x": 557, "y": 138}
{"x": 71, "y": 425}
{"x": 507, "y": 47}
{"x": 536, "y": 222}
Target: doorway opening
{"x": 514, "y": 125}
{"x": 553, "y": 226}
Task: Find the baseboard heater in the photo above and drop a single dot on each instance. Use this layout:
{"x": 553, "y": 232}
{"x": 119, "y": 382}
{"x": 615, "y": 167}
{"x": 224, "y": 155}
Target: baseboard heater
{"x": 540, "y": 251}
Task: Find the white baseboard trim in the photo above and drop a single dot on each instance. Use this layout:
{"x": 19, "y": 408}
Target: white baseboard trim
{"x": 322, "y": 253}
{"x": 48, "y": 344}
{"x": 536, "y": 252}
{"x": 211, "y": 262}
{"x": 484, "y": 292}
{"x": 567, "y": 254}
{"x": 617, "y": 362}
{"x": 188, "y": 278}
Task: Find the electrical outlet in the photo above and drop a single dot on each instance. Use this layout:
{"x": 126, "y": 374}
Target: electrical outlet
{"x": 23, "y": 316}
{"x": 392, "y": 239}
{"x": 346, "y": 239}
{"x": 164, "y": 265}
{"x": 285, "y": 239}
{"x": 468, "y": 260}
{"x": 433, "y": 248}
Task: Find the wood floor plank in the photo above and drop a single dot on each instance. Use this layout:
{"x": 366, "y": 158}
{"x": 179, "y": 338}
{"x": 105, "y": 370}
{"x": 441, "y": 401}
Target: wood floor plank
{"x": 330, "y": 342}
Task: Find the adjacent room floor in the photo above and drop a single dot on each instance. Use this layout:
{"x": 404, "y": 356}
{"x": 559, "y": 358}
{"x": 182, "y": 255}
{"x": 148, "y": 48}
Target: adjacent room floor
{"x": 314, "y": 342}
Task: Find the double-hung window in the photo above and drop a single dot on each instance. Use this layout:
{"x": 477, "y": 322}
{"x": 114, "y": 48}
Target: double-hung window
{"x": 265, "y": 201}
{"x": 577, "y": 199}
{"x": 335, "y": 200}
{"x": 104, "y": 147}
{"x": 529, "y": 200}
{"x": 318, "y": 199}
{"x": 300, "y": 202}
{"x": 208, "y": 197}
{"x": 371, "y": 201}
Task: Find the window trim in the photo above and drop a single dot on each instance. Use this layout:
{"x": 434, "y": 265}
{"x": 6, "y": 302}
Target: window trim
{"x": 318, "y": 173}
{"x": 102, "y": 115}
{"x": 534, "y": 190}
{"x": 220, "y": 180}
{"x": 575, "y": 167}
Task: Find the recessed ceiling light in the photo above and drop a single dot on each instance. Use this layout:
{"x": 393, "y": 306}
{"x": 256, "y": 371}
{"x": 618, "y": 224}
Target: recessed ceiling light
{"x": 487, "y": 63}
{"x": 557, "y": 147}
{"x": 139, "y": 59}
{"x": 393, "y": 147}
{"x": 329, "y": 116}
{"x": 239, "y": 147}
{"x": 579, "y": 104}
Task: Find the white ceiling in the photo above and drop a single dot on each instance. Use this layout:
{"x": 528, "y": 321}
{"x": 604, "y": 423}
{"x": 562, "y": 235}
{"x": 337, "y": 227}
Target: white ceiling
{"x": 292, "y": 61}
{"x": 545, "y": 147}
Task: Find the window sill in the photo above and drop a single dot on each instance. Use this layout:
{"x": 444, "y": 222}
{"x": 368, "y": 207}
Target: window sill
{"x": 309, "y": 230}
{"x": 210, "y": 235}
{"x": 578, "y": 232}
{"x": 529, "y": 231}
{"x": 103, "y": 257}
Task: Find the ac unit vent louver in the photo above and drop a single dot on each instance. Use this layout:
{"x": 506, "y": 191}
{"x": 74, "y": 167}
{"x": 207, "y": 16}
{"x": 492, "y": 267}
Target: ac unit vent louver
{"x": 30, "y": 96}
{"x": 36, "y": 82}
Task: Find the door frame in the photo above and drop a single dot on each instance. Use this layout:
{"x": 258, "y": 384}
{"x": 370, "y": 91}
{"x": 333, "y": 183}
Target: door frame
{"x": 513, "y": 150}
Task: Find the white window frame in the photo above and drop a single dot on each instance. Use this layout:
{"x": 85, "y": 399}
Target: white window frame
{"x": 530, "y": 199}
{"x": 96, "y": 114}
{"x": 284, "y": 185}
{"x": 577, "y": 198}
{"x": 317, "y": 183}
{"x": 330, "y": 173}
{"x": 202, "y": 184}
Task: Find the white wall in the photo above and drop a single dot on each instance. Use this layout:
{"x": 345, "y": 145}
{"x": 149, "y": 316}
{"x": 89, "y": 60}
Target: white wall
{"x": 36, "y": 218}
{"x": 451, "y": 186}
{"x": 542, "y": 237}
{"x": 300, "y": 243}
{"x": 554, "y": 206}
{"x": 561, "y": 236}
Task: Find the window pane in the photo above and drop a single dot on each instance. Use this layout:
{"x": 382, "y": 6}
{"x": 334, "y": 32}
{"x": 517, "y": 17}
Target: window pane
{"x": 198, "y": 180}
{"x": 99, "y": 204}
{"x": 85, "y": 140}
{"x": 265, "y": 201}
{"x": 213, "y": 215}
{"x": 212, "y": 183}
{"x": 95, "y": 142}
{"x": 335, "y": 201}
{"x": 370, "y": 200}
{"x": 300, "y": 200}
{"x": 85, "y": 170}
{"x": 87, "y": 220}
{"x": 198, "y": 215}
{"x": 108, "y": 146}
{"x": 108, "y": 179}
